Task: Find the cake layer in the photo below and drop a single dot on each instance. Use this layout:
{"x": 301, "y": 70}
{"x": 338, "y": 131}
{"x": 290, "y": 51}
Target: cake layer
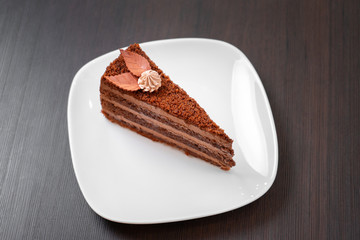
{"x": 164, "y": 129}
{"x": 150, "y": 133}
{"x": 164, "y": 117}
{"x": 168, "y": 114}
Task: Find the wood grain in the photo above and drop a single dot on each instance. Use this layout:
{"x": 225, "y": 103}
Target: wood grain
{"x": 306, "y": 53}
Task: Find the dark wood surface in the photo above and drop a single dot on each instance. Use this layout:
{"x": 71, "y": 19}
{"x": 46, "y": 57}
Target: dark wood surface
{"x": 306, "y": 53}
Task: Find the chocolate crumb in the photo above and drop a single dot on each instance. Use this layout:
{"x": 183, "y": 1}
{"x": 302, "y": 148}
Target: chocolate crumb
{"x": 169, "y": 97}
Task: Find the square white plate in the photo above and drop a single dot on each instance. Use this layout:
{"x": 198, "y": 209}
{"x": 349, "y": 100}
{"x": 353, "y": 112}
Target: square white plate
{"x": 128, "y": 178}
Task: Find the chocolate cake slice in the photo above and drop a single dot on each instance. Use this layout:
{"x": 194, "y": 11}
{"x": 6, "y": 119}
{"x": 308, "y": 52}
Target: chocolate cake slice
{"x": 161, "y": 111}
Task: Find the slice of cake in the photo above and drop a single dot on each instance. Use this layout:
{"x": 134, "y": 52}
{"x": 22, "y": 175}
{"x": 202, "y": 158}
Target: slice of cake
{"x": 137, "y": 95}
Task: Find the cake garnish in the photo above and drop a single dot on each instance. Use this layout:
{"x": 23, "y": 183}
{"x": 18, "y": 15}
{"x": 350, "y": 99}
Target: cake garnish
{"x": 140, "y": 76}
{"x": 136, "y": 63}
{"x": 149, "y": 81}
{"x": 126, "y": 81}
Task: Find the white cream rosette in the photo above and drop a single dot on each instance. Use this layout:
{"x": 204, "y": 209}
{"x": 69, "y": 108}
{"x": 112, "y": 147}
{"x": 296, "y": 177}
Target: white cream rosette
{"x": 149, "y": 81}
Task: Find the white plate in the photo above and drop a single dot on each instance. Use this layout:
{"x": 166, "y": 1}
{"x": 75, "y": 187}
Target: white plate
{"x": 128, "y": 178}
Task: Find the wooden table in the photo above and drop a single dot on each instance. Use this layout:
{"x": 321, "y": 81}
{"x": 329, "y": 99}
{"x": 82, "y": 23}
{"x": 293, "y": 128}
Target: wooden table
{"x": 306, "y": 53}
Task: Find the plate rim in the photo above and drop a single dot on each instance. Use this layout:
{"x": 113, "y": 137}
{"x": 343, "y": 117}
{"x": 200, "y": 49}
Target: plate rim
{"x": 194, "y": 216}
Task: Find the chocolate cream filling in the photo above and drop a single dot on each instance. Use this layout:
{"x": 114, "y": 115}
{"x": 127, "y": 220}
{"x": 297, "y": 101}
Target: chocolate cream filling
{"x": 164, "y": 129}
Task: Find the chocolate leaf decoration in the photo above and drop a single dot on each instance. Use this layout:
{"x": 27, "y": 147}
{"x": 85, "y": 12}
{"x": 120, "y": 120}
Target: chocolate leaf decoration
{"x": 125, "y": 81}
{"x": 136, "y": 63}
